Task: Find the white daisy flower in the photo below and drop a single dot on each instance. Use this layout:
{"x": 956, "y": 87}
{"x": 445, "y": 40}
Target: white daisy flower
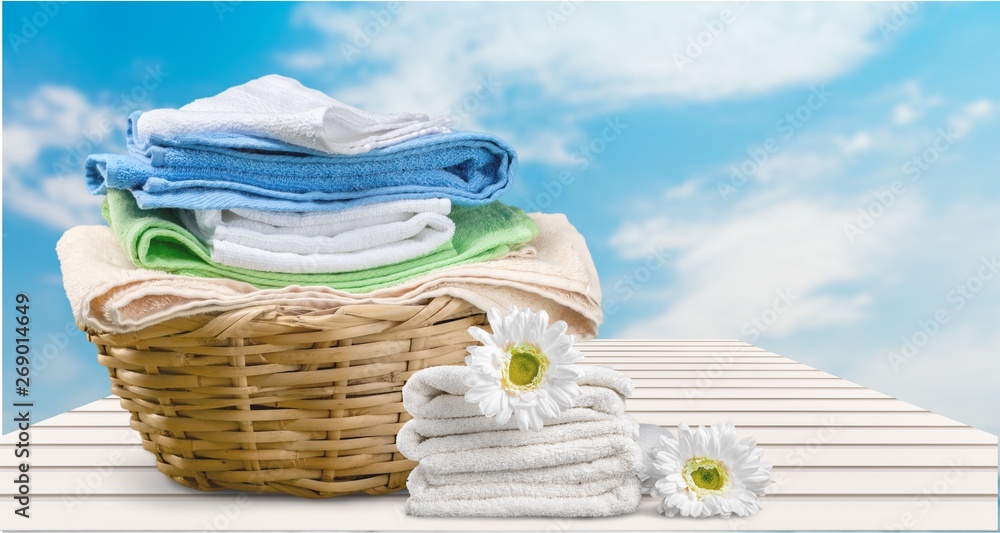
{"x": 524, "y": 369}
{"x": 707, "y": 472}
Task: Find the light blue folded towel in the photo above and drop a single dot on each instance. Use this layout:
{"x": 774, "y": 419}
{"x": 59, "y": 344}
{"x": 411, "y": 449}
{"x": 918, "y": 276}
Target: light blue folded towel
{"x": 231, "y": 171}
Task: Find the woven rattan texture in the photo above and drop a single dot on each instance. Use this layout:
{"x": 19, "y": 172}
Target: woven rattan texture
{"x": 283, "y": 399}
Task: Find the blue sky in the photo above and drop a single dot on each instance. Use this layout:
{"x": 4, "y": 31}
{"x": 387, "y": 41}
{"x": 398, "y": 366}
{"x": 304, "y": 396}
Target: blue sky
{"x": 625, "y": 125}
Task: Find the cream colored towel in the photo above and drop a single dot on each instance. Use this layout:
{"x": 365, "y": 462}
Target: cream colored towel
{"x": 108, "y": 293}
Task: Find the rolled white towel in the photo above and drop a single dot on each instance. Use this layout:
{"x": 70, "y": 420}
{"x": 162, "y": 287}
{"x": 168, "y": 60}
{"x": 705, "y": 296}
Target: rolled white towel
{"x": 439, "y": 392}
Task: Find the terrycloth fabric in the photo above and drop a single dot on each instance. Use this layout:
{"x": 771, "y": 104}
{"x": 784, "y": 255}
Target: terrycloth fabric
{"x": 425, "y": 428}
{"x": 439, "y": 392}
{"x": 465, "y": 167}
{"x": 451, "y": 435}
{"x": 493, "y": 445}
{"x": 157, "y": 240}
{"x": 531, "y": 500}
{"x": 280, "y": 108}
{"x": 586, "y": 462}
{"x": 605, "y": 467}
{"x": 336, "y": 241}
{"x": 108, "y": 293}
{"x": 529, "y": 456}
{"x": 427, "y": 490}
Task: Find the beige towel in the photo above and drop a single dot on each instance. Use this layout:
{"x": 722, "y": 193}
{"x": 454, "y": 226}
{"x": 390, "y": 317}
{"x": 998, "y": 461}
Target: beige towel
{"x": 108, "y": 293}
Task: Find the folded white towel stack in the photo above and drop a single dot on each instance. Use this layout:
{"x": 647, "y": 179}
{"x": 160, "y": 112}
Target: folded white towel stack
{"x": 585, "y": 463}
{"x": 282, "y": 109}
{"x": 326, "y": 241}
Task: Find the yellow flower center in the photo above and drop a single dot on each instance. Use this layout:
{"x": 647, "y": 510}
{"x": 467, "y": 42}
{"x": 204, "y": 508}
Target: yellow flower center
{"x": 706, "y": 476}
{"x": 524, "y": 369}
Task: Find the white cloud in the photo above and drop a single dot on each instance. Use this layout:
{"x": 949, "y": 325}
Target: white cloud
{"x": 729, "y": 268}
{"x": 861, "y": 141}
{"x": 736, "y": 265}
{"x": 786, "y": 230}
{"x": 797, "y": 166}
{"x": 904, "y": 114}
{"x": 970, "y": 115}
{"x": 546, "y": 146}
{"x": 684, "y": 190}
{"x": 429, "y": 56}
{"x": 913, "y": 103}
{"x": 47, "y": 136}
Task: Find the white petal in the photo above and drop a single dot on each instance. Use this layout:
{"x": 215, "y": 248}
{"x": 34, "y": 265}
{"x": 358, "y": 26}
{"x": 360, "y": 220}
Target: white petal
{"x": 490, "y": 405}
{"x": 504, "y": 415}
{"x": 481, "y": 335}
{"x": 478, "y": 394}
{"x": 552, "y": 334}
{"x": 522, "y": 417}
{"x": 564, "y": 372}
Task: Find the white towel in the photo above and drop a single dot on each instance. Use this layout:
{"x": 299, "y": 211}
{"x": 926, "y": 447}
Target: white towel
{"x": 443, "y": 427}
{"x": 109, "y": 294}
{"x": 418, "y": 446}
{"x": 439, "y": 392}
{"x": 339, "y": 241}
{"x": 604, "y": 467}
{"x": 531, "y": 455}
{"x": 425, "y": 489}
{"x": 280, "y": 108}
{"x": 586, "y": 462}
{"x": 623, "y": 499}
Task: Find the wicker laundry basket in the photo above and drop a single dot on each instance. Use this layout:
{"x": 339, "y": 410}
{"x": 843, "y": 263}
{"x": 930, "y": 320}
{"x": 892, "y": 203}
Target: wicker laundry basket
{"x": 282, "y": 399}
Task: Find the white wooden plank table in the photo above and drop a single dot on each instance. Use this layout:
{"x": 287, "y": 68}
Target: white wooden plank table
{"x": 845, "y": 458}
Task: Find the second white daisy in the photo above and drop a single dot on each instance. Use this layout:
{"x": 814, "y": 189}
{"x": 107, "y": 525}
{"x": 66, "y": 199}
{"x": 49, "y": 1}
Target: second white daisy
{"x": 524, "y": 369}
{"x": 708, "y": 472}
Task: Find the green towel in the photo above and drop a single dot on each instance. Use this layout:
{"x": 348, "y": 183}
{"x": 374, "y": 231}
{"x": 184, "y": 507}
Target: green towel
{"x": 156, "y": 239}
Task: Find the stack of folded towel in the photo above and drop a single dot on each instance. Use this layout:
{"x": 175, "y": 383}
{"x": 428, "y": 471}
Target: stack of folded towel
{"x": 273, "y": 193}
{"x": 584, "y": 463}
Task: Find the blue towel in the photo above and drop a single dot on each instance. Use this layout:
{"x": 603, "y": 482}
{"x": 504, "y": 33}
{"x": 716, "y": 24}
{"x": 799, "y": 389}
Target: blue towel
{"x": 231, "y": 171}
